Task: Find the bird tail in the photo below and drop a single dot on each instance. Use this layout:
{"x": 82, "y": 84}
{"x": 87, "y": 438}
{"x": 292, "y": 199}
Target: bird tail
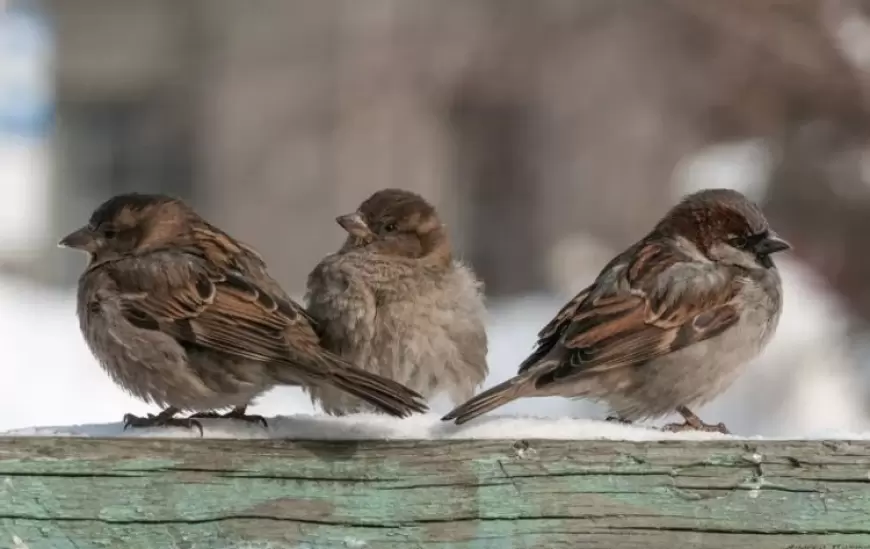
{"x": 328, "y": 369}
{"x": 490, "y": 399}
{"x": 383, "y": 393}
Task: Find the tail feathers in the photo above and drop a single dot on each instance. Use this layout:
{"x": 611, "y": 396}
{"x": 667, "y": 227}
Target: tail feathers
{"x": 385, "y": 394}
{"x": 325, "y": 368}
{"x": 490, "y": 399}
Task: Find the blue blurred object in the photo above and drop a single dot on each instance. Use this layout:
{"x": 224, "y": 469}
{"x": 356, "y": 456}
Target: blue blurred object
{"x": 26, "y": 57}
{"x": 26, "y": 123}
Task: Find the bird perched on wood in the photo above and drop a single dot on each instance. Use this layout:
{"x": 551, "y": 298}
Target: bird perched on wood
{"x": 667, "y": 325}
{"x": 394, "y": 301}
{"x": 182, "y": 315}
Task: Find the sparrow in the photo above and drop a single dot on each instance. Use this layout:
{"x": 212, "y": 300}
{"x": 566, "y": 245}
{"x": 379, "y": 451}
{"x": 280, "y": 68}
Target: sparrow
{"x": 182, "y": 315}
{"x": 394, "y": 301}
{"x": 667, "y": 325}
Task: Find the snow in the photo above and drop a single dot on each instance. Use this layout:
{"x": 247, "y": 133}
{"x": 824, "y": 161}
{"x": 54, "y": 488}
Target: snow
{"x": 371, "y": 426}
{"x": 496, "y": 426}
{"x": 806, "y": 385}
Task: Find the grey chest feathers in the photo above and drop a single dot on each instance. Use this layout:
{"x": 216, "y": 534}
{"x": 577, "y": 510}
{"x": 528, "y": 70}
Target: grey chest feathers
{"x": 424, "y": 329}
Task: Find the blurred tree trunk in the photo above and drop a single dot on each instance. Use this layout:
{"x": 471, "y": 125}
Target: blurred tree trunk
{"x": 503, "y": 239}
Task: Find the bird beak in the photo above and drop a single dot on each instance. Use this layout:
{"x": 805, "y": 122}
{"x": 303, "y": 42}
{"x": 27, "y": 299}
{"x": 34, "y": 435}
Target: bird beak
{"x": 355, "y": 225}
{"x": 771, "y": 244}
{"x": 79, "y": 239}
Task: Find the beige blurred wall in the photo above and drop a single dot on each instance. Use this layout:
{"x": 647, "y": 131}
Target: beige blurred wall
{"x": 526, "y": 122}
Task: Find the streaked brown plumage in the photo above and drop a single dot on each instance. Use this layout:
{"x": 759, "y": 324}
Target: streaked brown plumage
{"x": 394, "y": 301}
{"x": 668, "y": 323}
{"x": 182, "y": 315}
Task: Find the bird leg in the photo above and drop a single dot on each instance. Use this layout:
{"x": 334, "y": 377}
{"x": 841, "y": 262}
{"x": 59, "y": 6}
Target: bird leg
{"x": 694, "y": 423}
{"x": 617, "y": 419}
{"x": 238, "y": 413}
{"x": 166, "y": 418}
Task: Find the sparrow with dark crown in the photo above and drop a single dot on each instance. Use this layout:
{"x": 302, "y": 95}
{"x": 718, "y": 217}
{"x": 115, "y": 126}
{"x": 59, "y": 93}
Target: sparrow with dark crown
{"x": 667, "y": 325}
{"x": 394, "y": 301}
{"x": 182, "y": 315}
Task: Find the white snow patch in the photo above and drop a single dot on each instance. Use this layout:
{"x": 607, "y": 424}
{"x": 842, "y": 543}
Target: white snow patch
{"x": 419, "y": 427}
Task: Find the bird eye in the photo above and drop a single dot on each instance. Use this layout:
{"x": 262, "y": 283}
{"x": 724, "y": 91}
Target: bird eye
{"x": 110, "y": 233}
{"x": 739, "y": 242}
{"x": 391, "y": 227}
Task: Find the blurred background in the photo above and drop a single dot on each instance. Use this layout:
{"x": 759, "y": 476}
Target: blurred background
{"x": 550, "y": 134}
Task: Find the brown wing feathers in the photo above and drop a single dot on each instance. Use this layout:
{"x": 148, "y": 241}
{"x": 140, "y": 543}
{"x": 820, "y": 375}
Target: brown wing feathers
{"x": 229, "y": 313}
{"x": 597, "y": 333}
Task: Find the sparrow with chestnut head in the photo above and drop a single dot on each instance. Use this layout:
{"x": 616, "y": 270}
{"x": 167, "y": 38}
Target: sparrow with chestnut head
{"x": 667, "y": 325}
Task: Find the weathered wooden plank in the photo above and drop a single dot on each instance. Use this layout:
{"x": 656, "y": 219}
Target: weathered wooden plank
{"x": 59, "y": 493}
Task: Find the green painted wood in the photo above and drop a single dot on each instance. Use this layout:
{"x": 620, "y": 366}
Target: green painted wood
{"x": 80, "y": 493}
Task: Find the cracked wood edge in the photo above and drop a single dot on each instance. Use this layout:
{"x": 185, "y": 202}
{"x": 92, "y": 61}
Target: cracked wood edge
{"x": 84, "y": 493}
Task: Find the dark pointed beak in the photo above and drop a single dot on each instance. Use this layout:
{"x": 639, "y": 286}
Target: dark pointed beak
{"x": 79, "y": 239}
{"x": 355, "y": 225}
{"x": 772, "y": 244}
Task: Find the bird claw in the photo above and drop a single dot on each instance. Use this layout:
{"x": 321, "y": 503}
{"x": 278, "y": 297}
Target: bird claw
{"x": 160, "y": 420}
{"x": 254, "y": 419}
{"x": 693, "y": 423}
{"x": 234, "y": 414}
{"x": 700, "y": 426}
{"x": 617, "y": 419}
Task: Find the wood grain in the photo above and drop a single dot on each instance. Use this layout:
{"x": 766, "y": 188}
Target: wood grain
{"x": 80, "y": 493}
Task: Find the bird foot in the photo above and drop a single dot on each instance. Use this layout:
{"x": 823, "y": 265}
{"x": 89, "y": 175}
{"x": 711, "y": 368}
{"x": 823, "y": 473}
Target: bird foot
{"x": 699, "y": 426}
{"x": 693, "y": 423}
{"x": 160, "y": 420}
{"x": 617, "y": 419}
{"x": 239, "y": 415}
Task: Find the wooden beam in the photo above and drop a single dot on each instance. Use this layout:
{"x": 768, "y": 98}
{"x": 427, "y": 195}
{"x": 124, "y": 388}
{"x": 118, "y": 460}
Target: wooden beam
{"x": 84, "y": 493}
